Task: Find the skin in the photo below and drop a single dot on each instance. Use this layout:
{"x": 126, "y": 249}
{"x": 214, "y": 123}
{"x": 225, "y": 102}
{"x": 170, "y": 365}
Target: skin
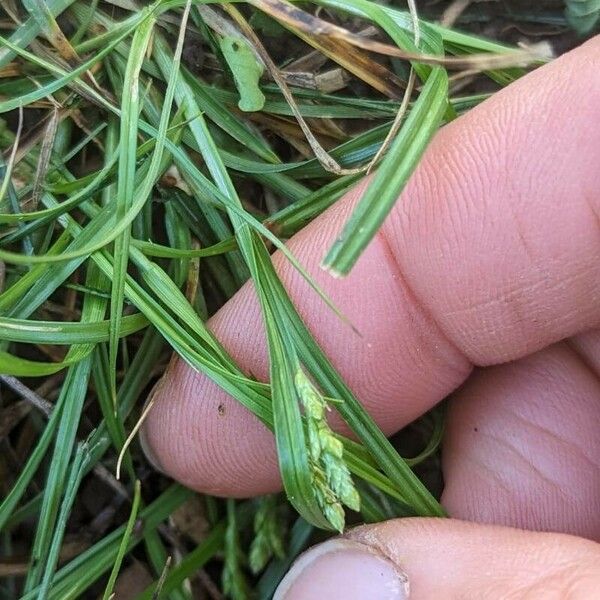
{"x": 483, "y": 283}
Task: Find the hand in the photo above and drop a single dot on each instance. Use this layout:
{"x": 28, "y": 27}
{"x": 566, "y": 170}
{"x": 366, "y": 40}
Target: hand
{"x": 485, "y": 276}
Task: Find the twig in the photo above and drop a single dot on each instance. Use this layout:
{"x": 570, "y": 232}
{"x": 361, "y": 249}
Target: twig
{"x": 162, "y": 579}
{"x": 34, "y": 399}
{"x": 453, "y": 11}
{"x": 109, "y": 479}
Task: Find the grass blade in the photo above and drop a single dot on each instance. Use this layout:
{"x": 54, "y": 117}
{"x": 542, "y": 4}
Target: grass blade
{"x": 392, "y": 175}
{"x": 126, "y": 185}
{"x": 78, "y": 467}
{"x": 124, "y": 542}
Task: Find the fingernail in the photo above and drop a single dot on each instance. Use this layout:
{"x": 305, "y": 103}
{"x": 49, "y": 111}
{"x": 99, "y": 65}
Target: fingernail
{"x": 346, "y": 569}
{"x": 143, "y": 434}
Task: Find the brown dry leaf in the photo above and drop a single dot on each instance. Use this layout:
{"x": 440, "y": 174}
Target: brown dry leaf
{"x": 356, "y": 62}
{"x": 294, "y": 17}
{"x": 332, "y": 80}
{"x": 53, "y": 32}
{"x": 328, "y": 82}
{"x": 10, "y": 70}
{"x": 193, "y": 277}
{"x": 173, "y": 178}
{"x": 47, "y": 143}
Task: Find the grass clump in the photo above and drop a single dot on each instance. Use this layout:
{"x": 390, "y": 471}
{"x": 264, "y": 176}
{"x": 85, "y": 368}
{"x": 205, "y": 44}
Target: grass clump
{"x": 152, "y": 155}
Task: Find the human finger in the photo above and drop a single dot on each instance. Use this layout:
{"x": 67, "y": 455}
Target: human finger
{"x": 445, "y": 558}
{"x": 491, "y": 254}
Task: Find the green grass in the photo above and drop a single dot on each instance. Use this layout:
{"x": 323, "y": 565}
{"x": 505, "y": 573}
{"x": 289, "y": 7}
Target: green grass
{"x": 135, "y": 198}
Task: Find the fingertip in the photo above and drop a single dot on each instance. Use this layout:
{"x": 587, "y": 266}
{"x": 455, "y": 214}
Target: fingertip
{"x": 343, "y": 568}
{"x": 444, "y": 558}
{"x": 457, "y": 559}
{"x": 207, "y": 441}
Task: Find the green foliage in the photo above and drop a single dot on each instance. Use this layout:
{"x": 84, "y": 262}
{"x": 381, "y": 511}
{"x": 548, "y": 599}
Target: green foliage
{"x": 235, "y": 584}
{"x": 108, "y": 591}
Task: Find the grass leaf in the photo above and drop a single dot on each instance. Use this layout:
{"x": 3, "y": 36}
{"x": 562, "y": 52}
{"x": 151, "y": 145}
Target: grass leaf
{"x": 137, "y": 496}
{"x": 126, "y": 184}
{"x": 391, "y": 176}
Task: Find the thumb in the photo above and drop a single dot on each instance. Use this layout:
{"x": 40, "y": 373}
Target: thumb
{"x": 444, "y": 558}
